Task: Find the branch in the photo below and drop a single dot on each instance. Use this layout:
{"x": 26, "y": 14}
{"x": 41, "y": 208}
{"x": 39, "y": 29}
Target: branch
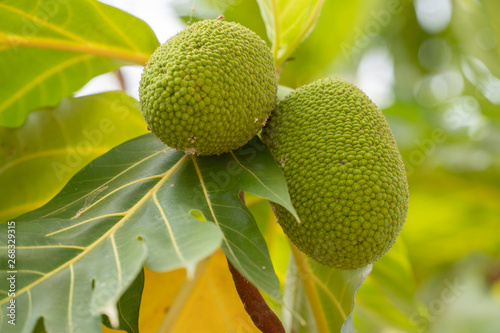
{"x": 262, "y": 316}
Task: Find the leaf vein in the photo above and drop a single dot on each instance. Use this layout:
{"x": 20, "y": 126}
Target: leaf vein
{"x": 330, "y": 296}
{"x": 209, "y": 203}
{"x": 83, "y": 210}
{"x": 112, "y": 25}
{"x": 98, "y": 241}
{"x": 80, "y": 47}
{"x": 43, "y": 23}
{"x": 41, "y": 77}
{"x": 117, "y": 260}
{"x": 109, "y": 181}
{"x": 85, "y": 222}
{"x": 255, "y": 176}
{"x": 169, "y": 229}
{"x": 70, "y": 300}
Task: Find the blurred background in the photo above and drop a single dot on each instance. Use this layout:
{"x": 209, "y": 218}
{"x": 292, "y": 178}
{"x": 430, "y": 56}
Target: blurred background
{"x": 433, "y": 66}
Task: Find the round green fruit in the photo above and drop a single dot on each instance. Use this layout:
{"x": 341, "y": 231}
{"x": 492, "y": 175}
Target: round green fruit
{"x": 210, "y": 88}
{"x": 344, "y": 172}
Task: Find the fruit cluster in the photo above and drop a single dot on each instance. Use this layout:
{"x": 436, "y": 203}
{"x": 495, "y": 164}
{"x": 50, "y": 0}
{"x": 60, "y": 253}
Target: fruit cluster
{"x": 210, "y": 88}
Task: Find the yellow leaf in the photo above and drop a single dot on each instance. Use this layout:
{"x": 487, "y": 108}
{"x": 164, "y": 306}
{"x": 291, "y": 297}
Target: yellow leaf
{"x": 211, "y": 306}
{"x": 160, "y": 290}
{"x": 214, "y": 305}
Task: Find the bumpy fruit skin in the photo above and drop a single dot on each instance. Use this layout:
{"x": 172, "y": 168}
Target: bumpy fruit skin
{"x": 344, "y": 173}
{"x": 210, "y": 88}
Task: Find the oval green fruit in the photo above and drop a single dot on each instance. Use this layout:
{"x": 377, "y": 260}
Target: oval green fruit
{"x": 210, "y": 88}
{"x": 344, "y": 173}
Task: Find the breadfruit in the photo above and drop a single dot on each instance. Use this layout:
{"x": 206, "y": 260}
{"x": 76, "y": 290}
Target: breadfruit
{"x": 344, "y": 172}
{"x": 210, "y": 88}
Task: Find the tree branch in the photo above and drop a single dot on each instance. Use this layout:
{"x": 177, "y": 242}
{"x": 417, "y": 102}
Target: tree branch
{"x": 262, "y": 316}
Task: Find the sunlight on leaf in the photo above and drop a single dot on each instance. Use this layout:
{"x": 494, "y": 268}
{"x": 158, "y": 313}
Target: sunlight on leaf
{"x": 333, "y": 40}
{"x": 56, "y": 143}
{"x": 288, "y": 23}
{"x": 58, "y": 55}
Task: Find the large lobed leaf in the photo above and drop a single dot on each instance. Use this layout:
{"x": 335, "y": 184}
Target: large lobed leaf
{"x": 80, "y": 252}
{"x": 38, "y": 159}
{"x": 49, "y": 49}
{"x": 127, "y": 306}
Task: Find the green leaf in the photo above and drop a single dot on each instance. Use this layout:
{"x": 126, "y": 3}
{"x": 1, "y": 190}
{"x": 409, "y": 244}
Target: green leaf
{"x": 341, "y": 24}
{"x": 128, "y": 306}
{"x": 60, "y": 45}
{"x": 37, "y": 159}
{"x": 340, "y": 31}
{"x": 133, "y": 205}
{"x": 39, "y": 328}
{"x": 246, "y": 13}
{"x": 387, "y": 298}
{"x": 329, "y": 292}
{"x": 288, "y": 23}
{"x": 283, "y": 91}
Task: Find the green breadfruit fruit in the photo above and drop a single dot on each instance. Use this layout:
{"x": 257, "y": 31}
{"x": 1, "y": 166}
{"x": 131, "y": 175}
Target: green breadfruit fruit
{"x": 210, "y": 88}
{"x": 344, "y": 173}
